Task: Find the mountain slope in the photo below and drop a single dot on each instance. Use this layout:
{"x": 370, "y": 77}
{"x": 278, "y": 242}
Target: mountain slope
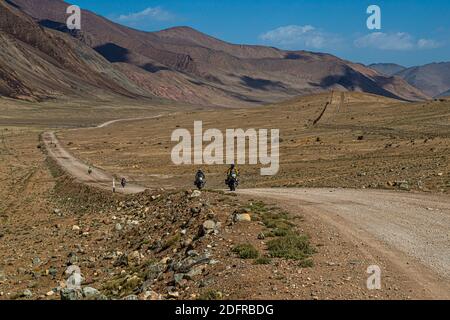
{"x": 433, "y": 79}
{"x": 38, "y": 63}
{"x": 388, "y": 69}
{"x": 445, "y": 94}
{"x": 184, "y": 64}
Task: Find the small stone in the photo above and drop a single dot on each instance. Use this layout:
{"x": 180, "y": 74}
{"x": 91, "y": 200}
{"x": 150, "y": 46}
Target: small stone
{"x": 152, "y": 295}
{"x": 70, "y": 294}
{"x": 52, "y": 272}
{"x": 174, "y": 294}
{"x": 178, "y": 278}
{"x": 90, "y": 293}
{"x": 36, "y": 261}
{"x": 27, "y": 293}
{"x": 209, "y": 226}
{"x": 118, "y": 227}
{"x": 243, "y": 217}
{"x": 50, "y": 293}
{"x": 131, "y": 297}
{"x": 196, "y": 271}
{"x": 195, "y": 194}
{"x": 193, "y": 253}
{"x": 76, "y": 228}
{"x": 134, "y": 258}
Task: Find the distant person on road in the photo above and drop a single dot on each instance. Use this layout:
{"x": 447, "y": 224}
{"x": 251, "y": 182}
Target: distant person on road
{"x": 123, "y": 182}
{"x": 114, "y": 186}
{"x": 90, "y": 170}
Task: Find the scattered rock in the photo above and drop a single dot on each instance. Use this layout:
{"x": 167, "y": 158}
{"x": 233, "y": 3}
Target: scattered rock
{"x": 26, "y": 294}
{"x": 134, "y": 258}
{"x": 195, "y": 194}
{"x": 208, "y": 227}
{"x": 36, "y": 261}
{"x": 70, "y": 294}
{"x": 53, "y": 272}
{"x": 403, "y": 185}
{"x": 90, "y": 293}
{"x": 76, "y": 228}
{"x": 152, "y": 295}
{"x": 242, "y": 217}
{"x": 121, "y": 261}
{"x": 154, "y": 271}
{"x": 195, "y": 271}
{"x": 173, "y": 294}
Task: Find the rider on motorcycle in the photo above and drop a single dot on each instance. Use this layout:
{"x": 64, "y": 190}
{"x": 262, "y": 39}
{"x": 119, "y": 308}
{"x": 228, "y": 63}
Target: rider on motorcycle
{"x": 200, "y": 179}
{"x": 199, "y": 175}
{"x": 232, "y": 170}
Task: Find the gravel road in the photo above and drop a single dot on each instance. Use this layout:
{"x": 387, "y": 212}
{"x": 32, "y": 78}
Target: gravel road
{"x": 416, "y": 224}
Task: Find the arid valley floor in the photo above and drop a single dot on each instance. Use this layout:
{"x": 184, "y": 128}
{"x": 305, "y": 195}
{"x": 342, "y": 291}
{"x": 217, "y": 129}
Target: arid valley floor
{"x": 367, "y": 184}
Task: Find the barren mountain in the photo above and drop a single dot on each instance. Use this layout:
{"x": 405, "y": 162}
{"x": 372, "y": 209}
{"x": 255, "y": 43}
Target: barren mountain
{"x": 445, "y": 94}
{"x": 186, "y": 65}
{"x": 38, "y": 63}
{"x": 388, "y": 69}
{"x": 433, "y": 79}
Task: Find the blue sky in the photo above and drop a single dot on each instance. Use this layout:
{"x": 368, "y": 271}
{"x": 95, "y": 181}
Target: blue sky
{"x": 413, "y": 32}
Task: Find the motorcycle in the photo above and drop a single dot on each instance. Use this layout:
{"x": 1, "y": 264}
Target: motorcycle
{"x": 200, "y": 183}
{"x": 232, "y": 182}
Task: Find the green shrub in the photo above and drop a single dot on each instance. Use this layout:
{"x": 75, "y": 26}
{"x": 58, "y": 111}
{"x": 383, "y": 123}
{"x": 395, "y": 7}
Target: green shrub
{"x": 290, "y": 247}
{"x": 246, "y": 251}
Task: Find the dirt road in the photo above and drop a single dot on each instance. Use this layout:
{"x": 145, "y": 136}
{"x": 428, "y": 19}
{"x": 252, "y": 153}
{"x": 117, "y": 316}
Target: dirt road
{"x": 411, "y": 229}
{"x": 80, "y": 170}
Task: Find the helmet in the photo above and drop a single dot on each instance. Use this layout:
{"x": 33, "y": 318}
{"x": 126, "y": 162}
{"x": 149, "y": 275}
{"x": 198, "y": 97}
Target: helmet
{"x": 233, "y": 166}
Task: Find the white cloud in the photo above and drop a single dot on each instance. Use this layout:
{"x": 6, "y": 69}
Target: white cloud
{"x": 400, "y": 41}
{"x": 295, "y": 36}
{"x": 155, "y": 14}
{"x": 428, "y": 44}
